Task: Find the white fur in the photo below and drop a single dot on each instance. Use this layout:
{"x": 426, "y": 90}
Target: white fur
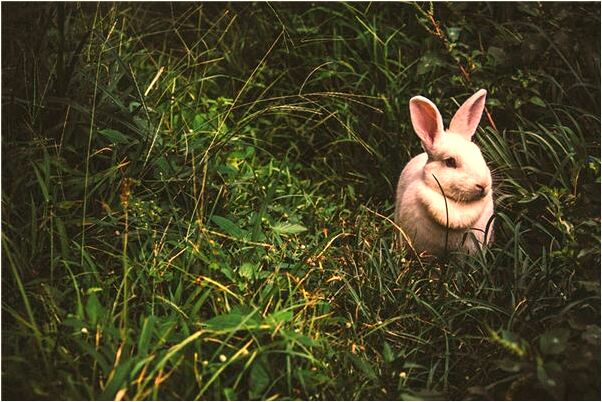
{"x": 420, "y": 208}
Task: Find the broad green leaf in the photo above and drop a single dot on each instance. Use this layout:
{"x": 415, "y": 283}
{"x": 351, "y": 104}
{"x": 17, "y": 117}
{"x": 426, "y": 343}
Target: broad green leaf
{"x": 388, "y": 354}
{"x": 247, "y": 270}
{"x": 288, "y": 228}
{"x": 118, "y": 380}
{"x": 162, "y": 165}
{"x": 279, "y": 316}
{"x": 228, "y": 226}
{"x": 259, "y": 379}
{"x": 297, "y": 337}
{"x": 227, "y": 271}
{"x": 97, "y": 355}
{"x": 63, "y": 237}
{"x": 42, "y": 183}
{"x": 115, "y": 136}
{"x": 229, "y": 394}
{"x": 145, "y": 335}
{"x": 93, "y": 309}
{"x": 225, "y": 321}
{"x": 199, "y": 122}
{"x": 74, "y": 323}
{"x": 230, "y": 321}
{"x": 554, "y": 341}
{"x": 492, "y": 102}
{"x": 305, "y": 340}
{"x": 536, "y": 100}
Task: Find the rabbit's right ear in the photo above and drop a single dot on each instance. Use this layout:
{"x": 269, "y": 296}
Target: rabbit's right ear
{"x": 426, "y": 120}
{"x": 467, "y": 118}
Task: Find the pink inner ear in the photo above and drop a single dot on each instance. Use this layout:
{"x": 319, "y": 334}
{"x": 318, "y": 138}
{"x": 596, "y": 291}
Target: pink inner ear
{"x": 467, "y": 118}
{"x": 426, "y": 120}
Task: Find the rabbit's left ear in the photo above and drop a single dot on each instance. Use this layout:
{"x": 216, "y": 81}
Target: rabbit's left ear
{"x": 467, "y": 118}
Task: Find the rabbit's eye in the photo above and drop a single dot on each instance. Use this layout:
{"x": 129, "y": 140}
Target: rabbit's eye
{"x": 450, "y": 162}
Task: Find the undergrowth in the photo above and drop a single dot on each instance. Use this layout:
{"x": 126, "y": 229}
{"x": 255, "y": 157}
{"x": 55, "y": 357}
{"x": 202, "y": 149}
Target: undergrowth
{"x": 196, "y": 202}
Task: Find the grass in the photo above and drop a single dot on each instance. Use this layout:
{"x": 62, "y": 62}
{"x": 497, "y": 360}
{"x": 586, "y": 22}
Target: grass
{"x": 196, "y": 202}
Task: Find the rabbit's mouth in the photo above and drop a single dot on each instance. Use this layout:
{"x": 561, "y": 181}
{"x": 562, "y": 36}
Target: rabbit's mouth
{"x": 467, "y": 197}
{"x": 479, "y": 194}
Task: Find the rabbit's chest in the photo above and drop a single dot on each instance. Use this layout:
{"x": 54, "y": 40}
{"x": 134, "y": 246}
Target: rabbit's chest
{"x": 428, "y": 236}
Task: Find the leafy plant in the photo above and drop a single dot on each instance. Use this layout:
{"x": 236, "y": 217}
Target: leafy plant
{"x": 196, "y": 202}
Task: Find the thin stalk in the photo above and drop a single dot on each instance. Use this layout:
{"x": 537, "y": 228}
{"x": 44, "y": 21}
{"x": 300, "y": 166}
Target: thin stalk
{"x": 125, "y": 195}
{"x": 19, "y": 282}
{"x": 89, "y": 145}
{"x": 446, "y": 217}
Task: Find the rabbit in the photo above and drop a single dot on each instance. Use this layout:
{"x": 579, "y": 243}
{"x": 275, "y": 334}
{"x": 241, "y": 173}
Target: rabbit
{"x": 451, "y": 162}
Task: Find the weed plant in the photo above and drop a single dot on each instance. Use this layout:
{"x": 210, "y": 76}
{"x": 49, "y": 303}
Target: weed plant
{"x": 196, "y": 202}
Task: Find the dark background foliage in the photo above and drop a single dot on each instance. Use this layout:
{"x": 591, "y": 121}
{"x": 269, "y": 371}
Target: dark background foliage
{"x": 194, "y": 201}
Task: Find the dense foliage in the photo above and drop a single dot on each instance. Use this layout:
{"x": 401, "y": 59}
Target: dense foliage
{"x": 196, "y": 202}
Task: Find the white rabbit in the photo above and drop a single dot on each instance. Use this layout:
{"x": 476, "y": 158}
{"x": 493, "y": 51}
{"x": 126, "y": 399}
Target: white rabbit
{"x": 459, "y": 167}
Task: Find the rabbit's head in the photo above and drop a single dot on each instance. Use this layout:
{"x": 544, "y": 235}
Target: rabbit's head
{"x": 453, "y": 159}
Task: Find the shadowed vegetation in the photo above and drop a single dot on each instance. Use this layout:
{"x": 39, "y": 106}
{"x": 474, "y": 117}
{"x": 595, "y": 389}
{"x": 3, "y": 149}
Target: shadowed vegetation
{"x": 196, "y": 202}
